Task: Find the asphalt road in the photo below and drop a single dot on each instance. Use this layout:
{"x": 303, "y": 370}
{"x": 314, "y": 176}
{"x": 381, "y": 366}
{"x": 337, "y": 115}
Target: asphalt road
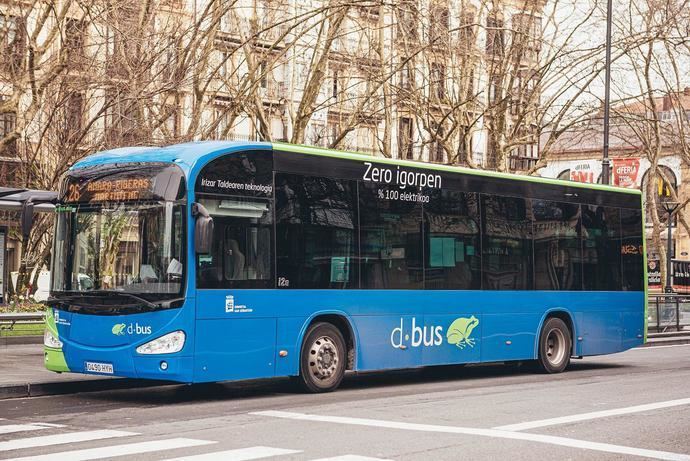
{"x": 634, "y": 405}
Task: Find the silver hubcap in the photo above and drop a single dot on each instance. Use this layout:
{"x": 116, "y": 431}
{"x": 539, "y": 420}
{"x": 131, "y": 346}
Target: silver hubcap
{"x": 555, "y": 346}
{"x": 323, "y": 358}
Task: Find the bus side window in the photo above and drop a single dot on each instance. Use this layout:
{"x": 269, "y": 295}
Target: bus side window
{"x": 601, "y": 243}
{"x": 632, "y": 251}
{"x": 557, "y": 246}
{"x": 506, "y": 243}
{"x": 241, "y": 249}
{"x": 451, "y": 220}
{"x": 316, "y": 232}
{"x": 391, "y": 239}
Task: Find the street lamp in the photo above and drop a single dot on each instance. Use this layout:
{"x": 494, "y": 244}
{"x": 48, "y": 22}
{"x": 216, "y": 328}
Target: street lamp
{"x": 670, "y": 207}
{"x": 605, "y": 165}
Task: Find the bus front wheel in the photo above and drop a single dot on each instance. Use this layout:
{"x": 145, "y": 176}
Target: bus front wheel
{"x": 555, "y": 345}
{"x": 323, "y": 359}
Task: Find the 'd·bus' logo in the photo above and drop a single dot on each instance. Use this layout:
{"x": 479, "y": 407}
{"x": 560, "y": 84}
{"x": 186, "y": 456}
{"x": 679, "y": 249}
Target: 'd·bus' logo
{"x": 459, "y": 334}
{"x": 119, "y": 329}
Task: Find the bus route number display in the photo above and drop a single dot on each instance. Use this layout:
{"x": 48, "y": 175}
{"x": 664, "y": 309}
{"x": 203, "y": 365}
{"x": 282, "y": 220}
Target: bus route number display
{"x": 109, "y": 190}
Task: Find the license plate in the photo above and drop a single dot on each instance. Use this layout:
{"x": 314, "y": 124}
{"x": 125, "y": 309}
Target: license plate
{"x": 95, "y": 367}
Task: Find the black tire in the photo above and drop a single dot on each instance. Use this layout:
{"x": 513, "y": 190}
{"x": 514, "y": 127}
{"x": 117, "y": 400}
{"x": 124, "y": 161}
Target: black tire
{"x": 555, "y": 346}
{"x": 325, "y": 342}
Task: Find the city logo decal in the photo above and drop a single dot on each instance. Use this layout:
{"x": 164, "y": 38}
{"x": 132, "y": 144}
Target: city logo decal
{"x": 119, "y": 329}
{"x": 459, "y": 334}
{"x": 460, "y": 330}
{"x": 232, "y": 307}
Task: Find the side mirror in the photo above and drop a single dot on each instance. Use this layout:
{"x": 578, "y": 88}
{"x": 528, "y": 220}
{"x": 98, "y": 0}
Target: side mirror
{"x": 27, "y": 218}
{"x": 203, "y": 229}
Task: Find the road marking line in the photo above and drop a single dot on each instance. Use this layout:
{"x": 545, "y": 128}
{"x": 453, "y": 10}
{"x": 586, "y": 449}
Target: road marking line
{"x": 241, "y": 454}
{"x": 352, "y": 458}
{"x": 658, "y": 347}
{"x": 526, "y": 436}
{"x": 11, "y": 428}
{"x": 59, "y": 439}
{"x": 592, "y": 415}
{"x": 117, "y": 450}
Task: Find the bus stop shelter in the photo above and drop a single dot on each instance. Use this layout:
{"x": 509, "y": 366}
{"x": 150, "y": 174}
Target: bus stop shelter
{"x": 25, "y": 202}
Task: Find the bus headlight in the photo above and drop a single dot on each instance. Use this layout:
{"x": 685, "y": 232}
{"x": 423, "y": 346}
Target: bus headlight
{"x": 166, "y": 344}
{"x": 49, "y": 340}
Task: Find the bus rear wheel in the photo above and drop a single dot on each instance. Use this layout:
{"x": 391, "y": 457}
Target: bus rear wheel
{"x": 323, "y": 358}
{"x": 555, "y": 345}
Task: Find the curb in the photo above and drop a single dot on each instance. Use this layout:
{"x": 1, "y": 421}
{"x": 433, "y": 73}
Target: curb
{"x": 14, "y": 391}
{"x": 667, "y": 342}
{"x": 20, "y": 340}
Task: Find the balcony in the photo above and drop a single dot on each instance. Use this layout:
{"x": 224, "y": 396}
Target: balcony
{"x": 272, "y": 91}
{"x": 262, "y": 33}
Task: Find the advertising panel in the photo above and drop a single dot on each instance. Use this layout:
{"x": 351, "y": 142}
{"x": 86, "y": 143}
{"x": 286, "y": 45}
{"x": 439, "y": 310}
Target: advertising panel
{"x": 653, "y": 275}
{"x": 625, "y": 171}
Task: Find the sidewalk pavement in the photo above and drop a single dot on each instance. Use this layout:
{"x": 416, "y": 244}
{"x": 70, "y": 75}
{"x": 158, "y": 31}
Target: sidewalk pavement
{"x": 22, "y": 373}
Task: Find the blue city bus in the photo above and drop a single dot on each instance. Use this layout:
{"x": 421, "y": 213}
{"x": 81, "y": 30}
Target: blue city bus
{"x": 214, "y": 261}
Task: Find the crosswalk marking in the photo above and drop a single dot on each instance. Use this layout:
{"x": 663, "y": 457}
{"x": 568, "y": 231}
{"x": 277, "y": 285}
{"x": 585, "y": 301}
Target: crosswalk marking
{"x": 11, "y": 428}
{"x": 117, "y": 450}
{"x": 58, "y": 439}
{"x": 594, "y": 415}
{"x": 351, "y": 458}
{"x": 242, "y": 454}
{"x": 493, "y": 433}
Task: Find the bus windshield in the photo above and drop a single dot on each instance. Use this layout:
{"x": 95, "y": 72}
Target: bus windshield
{"x": 129, "y": 248}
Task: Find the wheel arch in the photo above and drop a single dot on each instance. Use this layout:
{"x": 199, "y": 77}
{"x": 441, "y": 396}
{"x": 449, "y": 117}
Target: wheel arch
{"x": 567, "y": 317}
{"x": 344, "y": 323}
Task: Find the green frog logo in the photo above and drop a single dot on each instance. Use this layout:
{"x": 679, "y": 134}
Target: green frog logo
{"x": 119, "y": 329}
{"x": 460, "y": 330}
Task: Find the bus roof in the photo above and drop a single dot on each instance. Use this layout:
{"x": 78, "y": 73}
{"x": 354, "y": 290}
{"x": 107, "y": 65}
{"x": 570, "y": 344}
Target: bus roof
{"x": 200, "y": 152}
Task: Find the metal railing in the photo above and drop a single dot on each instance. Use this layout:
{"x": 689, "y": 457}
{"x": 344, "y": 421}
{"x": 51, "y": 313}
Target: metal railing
{"x": 9, "y": 321}
{"x": 668, "y": 311}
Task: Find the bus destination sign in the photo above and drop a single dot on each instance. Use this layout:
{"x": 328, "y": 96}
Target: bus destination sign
{"x": 109, "y": 190}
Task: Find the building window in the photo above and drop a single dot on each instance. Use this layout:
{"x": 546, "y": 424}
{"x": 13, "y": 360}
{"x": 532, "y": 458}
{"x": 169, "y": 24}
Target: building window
{"x": 11, "y": 43}
{"x": 405, "y": 139}
{"x": 263, "y": 74}
{"x": 74, "y": 42}
{"x": 436, "y": 152}
{"x": 663, "y": 189}
{"x": 438, "y": 81}
{"x": 406, "y": 76}
{"x": 495, "y": 43}
{"x": 8, "y": 123}
{"x": 72, "y": 117}
{"x": 466, "y": 34}
{"x": 408, "y": 19}
{"x": 439, "y": 25}
{"x": 172, "y": 120}
{"x": 334, "y": 87}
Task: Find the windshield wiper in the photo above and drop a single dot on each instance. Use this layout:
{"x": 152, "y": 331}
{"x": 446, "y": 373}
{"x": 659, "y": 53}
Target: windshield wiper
{"x": 72, "y": 295}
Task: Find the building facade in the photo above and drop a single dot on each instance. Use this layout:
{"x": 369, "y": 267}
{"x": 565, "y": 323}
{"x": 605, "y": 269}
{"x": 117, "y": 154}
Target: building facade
{"x": 646, "y": 145}
{"x": 448, "y": 81}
